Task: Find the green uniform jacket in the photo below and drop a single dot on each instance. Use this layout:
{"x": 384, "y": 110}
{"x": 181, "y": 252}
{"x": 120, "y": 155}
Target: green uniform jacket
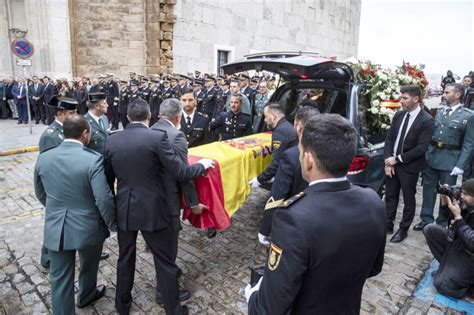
{"x": 98, "y": 134}
{"x": 52, "y": 137}
{"x": 70, "y": 183}
{"x": 456, "y": 129}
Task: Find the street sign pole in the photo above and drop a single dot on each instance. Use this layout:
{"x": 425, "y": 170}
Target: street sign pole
{"x": 27, "y": 100}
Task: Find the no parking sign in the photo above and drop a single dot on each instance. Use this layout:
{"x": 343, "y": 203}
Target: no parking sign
{"x": 22, "y": 48}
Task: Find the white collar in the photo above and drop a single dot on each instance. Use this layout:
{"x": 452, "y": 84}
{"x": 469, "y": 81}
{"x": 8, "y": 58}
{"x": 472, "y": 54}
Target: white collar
{"x": 94, "y": 116}
{"x": 453, "y": 109}
{"x": 191, "y": 115}
{"x": 58, "y": 122}
{"x": 415, "y": 112}
{"x": 74, "y": 141}
{"x": 328, "y": 180}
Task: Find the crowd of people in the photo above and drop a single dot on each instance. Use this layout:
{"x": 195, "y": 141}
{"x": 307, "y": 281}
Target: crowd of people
{"x": 132, "y": 181}
{"x": 212, "y": 94}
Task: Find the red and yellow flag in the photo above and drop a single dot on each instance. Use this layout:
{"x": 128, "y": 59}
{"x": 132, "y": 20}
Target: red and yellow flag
{"x": 225, "y": 188}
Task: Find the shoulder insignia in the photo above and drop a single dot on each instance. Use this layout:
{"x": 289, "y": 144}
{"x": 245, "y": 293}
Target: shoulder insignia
{"x": 276, "y": 144}
{"x": 272, "y": 203}
{"x": 60, "y": 136}
{"x": 50, "y": 130}
{"x": 274, "y": 257}
{"x": 290, "y": 201}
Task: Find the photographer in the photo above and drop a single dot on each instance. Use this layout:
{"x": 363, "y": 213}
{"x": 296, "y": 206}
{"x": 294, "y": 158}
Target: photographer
{"x": 454, "y": 247}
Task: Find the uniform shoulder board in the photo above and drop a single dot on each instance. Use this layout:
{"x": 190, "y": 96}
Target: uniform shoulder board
{"x": 50, "y": 130}
{"x": 468, "y": 110}
{"x": 200, "y": 114}
{"x": 272, "y": 203}
{"x": 292, "y": 200}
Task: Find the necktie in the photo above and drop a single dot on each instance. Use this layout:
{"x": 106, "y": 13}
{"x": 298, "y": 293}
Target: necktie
{"x": 448, "y": 111}
{"x": 402, "y": 135}
{"x": 101, "y": 123}
{"x": 188, "y": 121}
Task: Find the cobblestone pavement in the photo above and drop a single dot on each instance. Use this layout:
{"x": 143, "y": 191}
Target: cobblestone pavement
{"x": 215, "y": 270}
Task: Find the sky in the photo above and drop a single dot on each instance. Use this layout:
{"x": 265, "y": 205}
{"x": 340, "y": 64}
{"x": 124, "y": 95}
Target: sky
{"x": 436, "y": 33}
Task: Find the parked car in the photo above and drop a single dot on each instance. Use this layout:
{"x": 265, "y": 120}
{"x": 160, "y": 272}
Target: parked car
{"x": 305, "y": 75}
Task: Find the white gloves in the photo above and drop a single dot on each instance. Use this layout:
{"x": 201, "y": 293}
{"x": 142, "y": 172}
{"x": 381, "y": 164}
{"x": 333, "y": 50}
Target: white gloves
{"x": 263, "y": 240}
{"x": 113, "y": 234}
{"x": 207, "y": 163}
{"x": 456, "y": 171}
{"x": 249, "y": 290}
{"x": 254, "y": 183}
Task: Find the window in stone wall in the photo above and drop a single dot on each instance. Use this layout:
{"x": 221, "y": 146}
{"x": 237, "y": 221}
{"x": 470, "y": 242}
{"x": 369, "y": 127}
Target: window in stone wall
{"x": 222, "y": 59}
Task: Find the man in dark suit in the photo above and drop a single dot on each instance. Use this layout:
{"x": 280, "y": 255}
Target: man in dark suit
{"x": 288, "y": 179}
{"x": 36, "y": 97}
{"x": 193, "y": 124}
{"x": 139, "y": 158}
{"x": 317, "y": 234}
{"x": 113, "y": 92}
{"x": 70, "y": 183}
{"x": 170, "y": 117}
{"x": 19, "y": 94}
{"x": 405, "y": 146}
{"x": 49, "y": 92}
{"x": 283, "y": 137}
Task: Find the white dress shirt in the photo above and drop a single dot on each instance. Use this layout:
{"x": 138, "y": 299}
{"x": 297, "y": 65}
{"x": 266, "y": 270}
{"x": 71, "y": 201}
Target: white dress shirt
{"x": 413, "y": 115}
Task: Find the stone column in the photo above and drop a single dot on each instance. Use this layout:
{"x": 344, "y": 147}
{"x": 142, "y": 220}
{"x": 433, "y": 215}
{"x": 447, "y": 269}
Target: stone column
{"x": 47, "y": 23}
{"x": 6, "y": 67}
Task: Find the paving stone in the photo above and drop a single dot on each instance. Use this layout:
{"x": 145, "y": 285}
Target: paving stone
{"x": 10, "y": 269}
{"x": 5, "y": 287}
{"x": 38, "y": 308}
{"x": 24, "y": 287}
{"x": 18, "y": 278}
{"x": 30, "y": 269}
{"x": 434, "y": 311}
{"x": 30, "y": 299}
{"x": 38, "y": 278}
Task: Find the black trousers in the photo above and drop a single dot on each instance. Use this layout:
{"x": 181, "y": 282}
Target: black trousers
{"x": 163, "y": 245}
{"x": 114, "y": 116}
{"x": 456, "y": 270}
{"x": 3, "y": 109}
{"x": 124, "y": 120}
{"x": 49, "y": 114}
{"x": 38, "y": 111}
{"x": 406, "y": 182}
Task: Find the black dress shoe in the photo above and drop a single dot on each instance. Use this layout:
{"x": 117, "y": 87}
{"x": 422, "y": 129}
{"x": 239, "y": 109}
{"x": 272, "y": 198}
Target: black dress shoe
{"x": 390, "y": 229}
{"x": 104, "y": 256}
{"x": 99, "y": 292}
{"x": 399, "y": 236}
{"x": 211, "y": 232}
{"x": 420, "y": 226}
{"x": 184, "y": 310}
{"x": 183, "y": 296}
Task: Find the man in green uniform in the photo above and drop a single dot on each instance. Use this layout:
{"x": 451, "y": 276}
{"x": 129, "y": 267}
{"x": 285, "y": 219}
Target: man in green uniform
{"x": 63, "y": 107}
{"x": 99, "y": 127}
{"x": 449, "y": 153}
{"x": 53, "y": 136}
{"x": 70, "y": 183}
{"x": 96, "y": 117}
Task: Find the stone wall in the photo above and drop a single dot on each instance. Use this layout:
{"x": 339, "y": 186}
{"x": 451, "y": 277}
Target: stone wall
{"x": 121, "y": 36}
{"x": 48, "y": 31}
{"x": 243, "y": 26}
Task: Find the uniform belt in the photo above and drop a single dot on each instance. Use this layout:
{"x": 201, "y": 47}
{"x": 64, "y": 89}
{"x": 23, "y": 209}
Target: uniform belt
{"x": 442, "y": 145}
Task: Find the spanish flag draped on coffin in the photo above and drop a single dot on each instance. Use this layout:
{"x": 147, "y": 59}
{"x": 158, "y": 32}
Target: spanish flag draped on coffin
{"x": 225, "y": 188}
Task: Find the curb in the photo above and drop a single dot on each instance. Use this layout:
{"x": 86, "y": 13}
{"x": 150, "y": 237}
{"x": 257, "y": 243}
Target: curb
{"x": 19, "y": 151}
